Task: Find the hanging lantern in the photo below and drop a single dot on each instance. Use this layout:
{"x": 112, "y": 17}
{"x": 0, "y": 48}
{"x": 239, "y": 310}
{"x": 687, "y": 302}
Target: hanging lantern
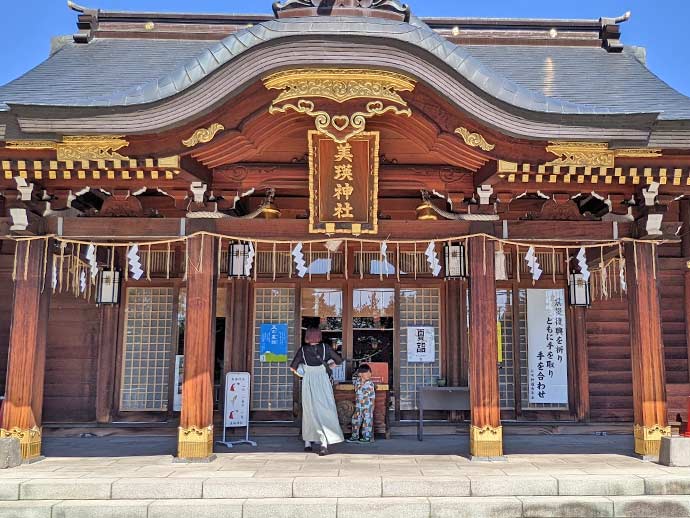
{"x": 108, "y": 291}
{"x": 425, "y": 212}
{"x": 579, "y": 290}
{"x": 455, "y": 261}
{"x": 238, "y": 264}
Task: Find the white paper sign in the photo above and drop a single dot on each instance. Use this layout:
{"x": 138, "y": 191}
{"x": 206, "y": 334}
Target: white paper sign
{"x": 547, "y": 349}
{"x": 421, "y": 346}
{"x": 179, "y": 377}
{"x": 237, "y": 399}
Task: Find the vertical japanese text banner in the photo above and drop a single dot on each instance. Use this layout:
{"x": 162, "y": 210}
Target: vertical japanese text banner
{"x": 343, "y": 184}
{"x": 547, "y": 346}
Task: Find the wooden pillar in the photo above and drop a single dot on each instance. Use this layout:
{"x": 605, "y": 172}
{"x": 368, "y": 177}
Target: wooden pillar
{"x": 486, "y": 433}
{"x": 578, "y": 330}
{"x": 238, "y": 325}
{"x": 195, "y": 436}
{"x": 106, "y": 362}
{"x": 26, "y": 361}
{"x": 647, "y": 349}
{"x": 684, "y": 206}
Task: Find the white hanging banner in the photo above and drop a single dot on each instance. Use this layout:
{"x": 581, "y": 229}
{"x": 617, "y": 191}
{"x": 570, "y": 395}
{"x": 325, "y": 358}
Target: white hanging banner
{"x": 179, "y": 378}
{"x": 432, "y": 259}
{"x": 135, "y": 263}
{"x": 533, "y": 263}
{"x": 421, "y": 345}
{"x": 298, "y": 256}
{"x": 546, "y": 339}
{"x": 582, "y": 263}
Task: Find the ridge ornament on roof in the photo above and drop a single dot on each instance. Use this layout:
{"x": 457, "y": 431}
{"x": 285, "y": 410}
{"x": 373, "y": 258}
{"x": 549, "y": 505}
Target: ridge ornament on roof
{"x": 374, "y": 8}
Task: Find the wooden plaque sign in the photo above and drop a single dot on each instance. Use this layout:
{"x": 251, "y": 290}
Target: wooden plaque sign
{"x": 343, "y": 184}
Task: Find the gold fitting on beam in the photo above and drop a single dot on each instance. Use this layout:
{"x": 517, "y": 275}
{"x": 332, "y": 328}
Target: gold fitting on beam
{"x": 425, "y": 212}
{"x": 486, "y": 441}
{"x": 195, "y": 443}
{"x": 29, "y": 440}
{"x": 270, "y": 211}
{"x": 648, "y": 439}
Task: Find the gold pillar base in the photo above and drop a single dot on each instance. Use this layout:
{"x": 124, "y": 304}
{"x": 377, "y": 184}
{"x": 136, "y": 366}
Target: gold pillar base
{"x": 195, "y": 443}
{"x": 29, "y": 440}
{"x": 486, "y": 441}
{"x": 648, "y": 439}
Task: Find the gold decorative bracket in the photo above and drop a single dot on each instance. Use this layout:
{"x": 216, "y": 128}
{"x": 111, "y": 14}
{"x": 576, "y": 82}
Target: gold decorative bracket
{"x": 377, "y": 87}
{"x": 589, "y": 154}
{"x": 474, "y": 139}
{"x": 203, "y": 135}
{"x": 648, "y": 439}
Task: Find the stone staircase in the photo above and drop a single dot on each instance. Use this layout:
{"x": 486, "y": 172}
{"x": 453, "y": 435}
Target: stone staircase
{"x": 195, "y": 492}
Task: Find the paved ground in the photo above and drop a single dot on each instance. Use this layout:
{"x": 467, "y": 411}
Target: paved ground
{"x": 542, "y": 476}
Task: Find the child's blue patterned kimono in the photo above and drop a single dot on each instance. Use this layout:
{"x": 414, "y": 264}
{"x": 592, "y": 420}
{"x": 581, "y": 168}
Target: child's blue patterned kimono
{"x": 363, "y": 418}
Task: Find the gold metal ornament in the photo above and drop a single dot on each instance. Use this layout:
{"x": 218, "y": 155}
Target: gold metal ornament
{"x": 195, "y": 443}
{"x": 648, "y": 438}
{"x": 78, "y": 148}
{"x": 339, "y": 85}
{"x": 425, "y": 212}
{"x": 486, "y": 441}
{"x": 29, "y": 440}
{"x": 203, "y": 135}
{"x": 589, "y": 154}
{"x": 474, "y": 139}
{"x": 380, "y": 88}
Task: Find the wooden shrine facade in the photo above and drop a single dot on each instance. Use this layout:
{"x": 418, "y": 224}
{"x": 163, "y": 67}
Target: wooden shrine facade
{"x": 258, "y": 171}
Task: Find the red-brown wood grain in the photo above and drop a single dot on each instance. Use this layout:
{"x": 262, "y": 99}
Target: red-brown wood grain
{"x": 197, "y": 389}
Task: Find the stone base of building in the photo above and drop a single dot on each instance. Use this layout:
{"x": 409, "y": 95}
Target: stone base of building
{"x": 675, "y": 451}
{"x": 29, "y": 441}
{"x": 648, "y": 439}
{"x": 486, "y": 442}
{"x": 195, "y": 444}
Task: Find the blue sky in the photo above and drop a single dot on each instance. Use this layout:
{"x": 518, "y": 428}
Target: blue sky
{"x": 659, "y": 25}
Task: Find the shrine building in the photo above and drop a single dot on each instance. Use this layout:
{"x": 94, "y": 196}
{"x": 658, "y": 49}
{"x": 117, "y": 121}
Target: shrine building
{"x": 496, "y": 206}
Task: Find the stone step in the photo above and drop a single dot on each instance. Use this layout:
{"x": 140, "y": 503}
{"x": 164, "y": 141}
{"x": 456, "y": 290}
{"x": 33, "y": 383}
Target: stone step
{"x": 669, "y": 506}
{"x": 197, "y": 484}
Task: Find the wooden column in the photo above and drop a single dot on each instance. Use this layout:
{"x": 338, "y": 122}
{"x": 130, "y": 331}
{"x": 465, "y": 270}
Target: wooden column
{"x": 106, "y": 362}
{"x": 486, "y": 433}
{"x": 684, "y": 206}
{"x": 578, "y": 330}
{"x": 647, "y": 349}
{"x": 195, "y": 436}
{"x": 238, "y": 325}
{"x": 26, "y": 361}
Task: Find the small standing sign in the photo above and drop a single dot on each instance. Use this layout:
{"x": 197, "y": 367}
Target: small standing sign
{"x": 236, "y": 407}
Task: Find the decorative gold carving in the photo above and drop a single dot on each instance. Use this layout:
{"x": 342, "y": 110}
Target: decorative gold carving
{"x": 203, "y": 135}
{"x": 78, "y": 148}
{"x": 29, "y": 440}
{"x": 339, "y": 85}
{"x": 588, "y": 154}
{"x": 195, "y": 443}
{"x": 648, "y": 438}
{"x": 169, "y": 162}
{"x": 340, "y": 128}
{"x": 474, "y": 139}
{"x": 486, "y": 441}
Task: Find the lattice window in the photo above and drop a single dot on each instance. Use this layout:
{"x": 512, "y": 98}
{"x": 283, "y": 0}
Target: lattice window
{"x": 272, "y": 382}
{"x": 524, "y": 362}
{"x": 418, "y": 307}
{"x": 506, "y": 372}
{"x": 148, "y": 344}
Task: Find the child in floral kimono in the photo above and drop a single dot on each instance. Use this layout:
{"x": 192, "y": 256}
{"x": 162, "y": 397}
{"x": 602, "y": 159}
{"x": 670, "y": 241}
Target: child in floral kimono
{"x": 363, "y": 418}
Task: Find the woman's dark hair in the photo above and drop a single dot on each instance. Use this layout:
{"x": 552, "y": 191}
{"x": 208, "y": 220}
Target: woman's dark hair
{"x": 313, "y": 335}
{"x": 363, "y": 368}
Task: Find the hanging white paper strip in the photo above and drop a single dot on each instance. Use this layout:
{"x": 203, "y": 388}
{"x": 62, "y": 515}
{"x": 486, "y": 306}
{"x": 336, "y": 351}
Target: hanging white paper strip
{"x": 82, "y": 281}
{"x": 54, "y": 279}
{"x": 298, "y": 257}
{"x": 621, "y": 274}
{"x": 533, "y": 264}
{"x": 432, "y": 259}
{"x": 135, "y": 263}
{"x": 249, "y": 259}
{"x": 582, "y": 263}
{"x": 93, "y": 263}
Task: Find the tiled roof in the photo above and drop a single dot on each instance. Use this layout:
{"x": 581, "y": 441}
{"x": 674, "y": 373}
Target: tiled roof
{"x": 547, "y": 79}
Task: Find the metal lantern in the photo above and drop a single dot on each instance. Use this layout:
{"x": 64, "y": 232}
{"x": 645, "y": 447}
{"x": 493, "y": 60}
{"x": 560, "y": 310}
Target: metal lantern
{"x": 455, "y": 260}
{"x": 108, "y": 289}
{"x": 237, "y": 260}
{"x": 579, "y": 290}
